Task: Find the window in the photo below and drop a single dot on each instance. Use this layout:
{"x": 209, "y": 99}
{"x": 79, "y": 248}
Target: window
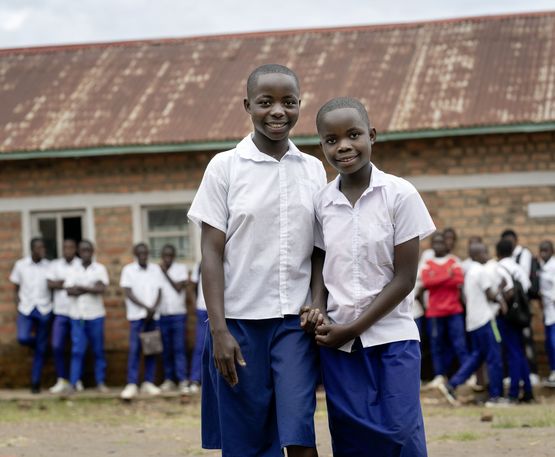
{"x": 55, "y": 227}
{"x": 168, "y": 225}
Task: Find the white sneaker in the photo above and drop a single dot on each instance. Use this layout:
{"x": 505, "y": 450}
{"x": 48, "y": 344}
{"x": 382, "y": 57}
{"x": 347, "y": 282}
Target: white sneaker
{"x": 167, "y": 386}
{"x": 534, "y": 379}
{"x": 59, "y": 387}
{"x": 79, "y": 386}
{"x": 436, "y": 382}
{"x": 550, "y": 381}
{"x": 149, "y": 389}
{"x": 498, "y": 402}
{"x": 194, "y": 388}
{"x": 130, "y": 391}
{"x": 102, "y": 388}
{"x": 183, "y": 388}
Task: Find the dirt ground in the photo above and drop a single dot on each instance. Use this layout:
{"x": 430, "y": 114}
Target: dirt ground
{"x": 92, "y": 427}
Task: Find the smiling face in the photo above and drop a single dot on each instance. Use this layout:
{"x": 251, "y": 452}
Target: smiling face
{"x": 273, "y": 105}
{"x": 346, "y": 140}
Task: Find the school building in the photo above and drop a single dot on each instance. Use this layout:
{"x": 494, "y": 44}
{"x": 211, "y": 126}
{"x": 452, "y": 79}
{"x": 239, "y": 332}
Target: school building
{"x": 109, "y": 141}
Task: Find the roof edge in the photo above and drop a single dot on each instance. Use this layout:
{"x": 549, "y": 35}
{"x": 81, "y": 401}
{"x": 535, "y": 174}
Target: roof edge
{"x": 299, "y": 140}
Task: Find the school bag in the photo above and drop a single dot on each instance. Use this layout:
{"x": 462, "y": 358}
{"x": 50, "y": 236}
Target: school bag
{"x": 518, "y": 312}
{"x": 534, "y": 291}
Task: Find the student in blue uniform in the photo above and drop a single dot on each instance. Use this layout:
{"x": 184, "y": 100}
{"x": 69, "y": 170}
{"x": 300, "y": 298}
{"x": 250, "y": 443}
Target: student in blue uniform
{"x": 196, "y": 302}
{"x": 34, "y": 306}
{"x": 370, "y": 224}
{"x": 61, "y": 327}
{"x": 172, "y": 321}
{"x": 256, "y": 211}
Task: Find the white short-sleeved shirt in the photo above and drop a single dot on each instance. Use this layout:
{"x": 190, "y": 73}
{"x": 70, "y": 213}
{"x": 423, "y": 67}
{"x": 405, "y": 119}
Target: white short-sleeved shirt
{"x": 196, "y": 277}
{"x": 145, "y": 284}
{"x": 524, "y": 257}
{"x": 547, "y": 289}
{"x": 478, "y": 310}
{"x": 58, "y": 272}
{"x": 516, "y": 271}
{"x": 87, "y": 306}
{"x": 359, "y": 244}
{"x": 497, "y": 275}
{"x": 173, "y": 302}
{"x": 31, "y": 278}
{"x": 417, "y": 307}
{"x": 265, "y": 208}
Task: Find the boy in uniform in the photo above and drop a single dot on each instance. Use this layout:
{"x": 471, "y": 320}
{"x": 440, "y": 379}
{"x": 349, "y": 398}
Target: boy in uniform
{"x": 34, "y": 306}
{"x": 172, "y": 321}
{"x": 142, "y": 283}
{"x": 85, "y": 284}
{"x": 547, "y": 291}
{"x": 257, "y": 217}
{"x": 61, "y": 327}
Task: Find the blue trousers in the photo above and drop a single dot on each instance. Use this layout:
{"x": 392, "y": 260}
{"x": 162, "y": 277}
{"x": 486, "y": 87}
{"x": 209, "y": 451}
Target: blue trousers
{"x": 172, "y": 329}
{"x": 196, "y": 361}
{"x": 550, "y": 345}
{"x": 519, "y": 369}
{"x": 446, "y": 333}
{"x": 84, "y": 332}
{"x": 61, "y": 331}
{"x": 134, "y": 357}
{"x": 32, "y": 331}
{"x": 273, "y": 404}
{"x": 373, "y": 398}
{"x": 485, "y": 348}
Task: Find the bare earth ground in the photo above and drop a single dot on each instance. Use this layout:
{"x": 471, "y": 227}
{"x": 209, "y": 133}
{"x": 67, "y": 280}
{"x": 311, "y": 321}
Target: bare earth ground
{"x": 94, "y": 426}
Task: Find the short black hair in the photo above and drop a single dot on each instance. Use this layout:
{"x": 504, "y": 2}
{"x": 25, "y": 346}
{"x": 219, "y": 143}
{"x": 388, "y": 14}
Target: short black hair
{"x": 90, "y": 243}
{"x": 140, "y": 245}
{"x": 35, "y": 240}
{"x": 268, "y": 69}
{"x": 504, "y": 248}
{"x": 339, "y": 103}
{"x": 450, "y": 230}
{"x": 509, "y": 232}
{"x": 547, "y": 243}
{"x": 437, "y": 234}
{"x": 168, "y": 246}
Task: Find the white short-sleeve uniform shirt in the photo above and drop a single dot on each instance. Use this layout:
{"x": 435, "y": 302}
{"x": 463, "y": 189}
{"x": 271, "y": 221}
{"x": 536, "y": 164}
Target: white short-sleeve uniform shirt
{"x": 359, "y": 242}
{"x": 31, "y": 278}
{"x": 547, "y": 289}
{"x": 87, "y": 306}
{"x": 173, "y": 302}
{"x": 145, "y": 284}
{"x": 265, "y": 208}
{"x": 497, "y": 275}
{"x": 476, "y": 282}
{"x": 196, "y": 277}
{"x": 58, "y": 272}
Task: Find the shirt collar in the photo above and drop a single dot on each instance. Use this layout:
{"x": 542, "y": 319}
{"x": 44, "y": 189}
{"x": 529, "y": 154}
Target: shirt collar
{"x": 248, "y": 150}
{"x": 334, "y": 196}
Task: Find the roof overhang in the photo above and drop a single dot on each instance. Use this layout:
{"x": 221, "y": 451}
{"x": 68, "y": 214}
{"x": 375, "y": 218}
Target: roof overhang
{"x": 299, "y": 140}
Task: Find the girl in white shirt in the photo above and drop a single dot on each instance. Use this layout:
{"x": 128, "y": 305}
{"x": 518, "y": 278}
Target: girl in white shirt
{"x": 370, "y": 225}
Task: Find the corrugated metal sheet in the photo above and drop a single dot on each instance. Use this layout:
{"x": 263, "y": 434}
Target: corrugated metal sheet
{"x": 436, "y": 75}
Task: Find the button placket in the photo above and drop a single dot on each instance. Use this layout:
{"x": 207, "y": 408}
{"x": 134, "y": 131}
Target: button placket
{"x": 283, "y": 237}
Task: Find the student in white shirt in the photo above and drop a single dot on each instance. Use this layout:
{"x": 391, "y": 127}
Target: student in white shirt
{"x": 482, "y": 329}
{"x": 61, "y": 326}
{"x": 547, "y": 290}
{"x": 519, "y": 370}
{"x": 172, "y": 321}
{"x": 256, "y": 212}
{"x": 142, "y": 283}
{"x": 34, "y": 306}
{"x": 371, "y": 224}
{"x": 85, "y": 284}
{"x": 196, "y": 298}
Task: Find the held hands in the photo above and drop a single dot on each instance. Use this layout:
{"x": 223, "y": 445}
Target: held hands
{"x": 226, "y": 354}
{"x": 311, "y": 318}
{"x": 334, "y": 335}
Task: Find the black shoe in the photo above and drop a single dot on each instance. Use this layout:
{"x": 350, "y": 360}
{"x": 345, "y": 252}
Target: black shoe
{"x": 527, "y": 397}
{"x": 35, "y": 388}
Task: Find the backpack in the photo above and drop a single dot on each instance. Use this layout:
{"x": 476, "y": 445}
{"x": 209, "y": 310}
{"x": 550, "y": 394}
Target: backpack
{"x": 534, "y": 291}
{"x": 518, "y": 312}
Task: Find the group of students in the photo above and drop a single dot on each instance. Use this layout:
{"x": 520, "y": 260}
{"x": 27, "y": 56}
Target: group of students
{"x": 303, "y": 277}
{"x": 63, "y": 298}
{"x": 485, "y": 302}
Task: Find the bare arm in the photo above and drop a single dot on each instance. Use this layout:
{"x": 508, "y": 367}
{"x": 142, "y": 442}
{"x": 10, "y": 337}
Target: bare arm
{"x": 98, "y": 288}
{"x": 226, "y": 348}
{"x": 55, "y": 284}
{"x": 312, "y": 316}
{"x": 16, "y": 295}
{"x": 405, "y": 268}
{"x": 131, "y": 296}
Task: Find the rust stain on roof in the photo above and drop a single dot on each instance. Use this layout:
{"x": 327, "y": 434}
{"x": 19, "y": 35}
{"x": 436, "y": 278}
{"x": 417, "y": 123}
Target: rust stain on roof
{"x": 433, "y": 75}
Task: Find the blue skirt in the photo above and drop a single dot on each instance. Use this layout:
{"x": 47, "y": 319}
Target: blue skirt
{"x": 373, "y": 399}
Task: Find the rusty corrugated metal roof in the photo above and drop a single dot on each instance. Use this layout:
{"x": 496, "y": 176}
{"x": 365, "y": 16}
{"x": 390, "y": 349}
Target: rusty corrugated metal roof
{"x": 433, "y": 75}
